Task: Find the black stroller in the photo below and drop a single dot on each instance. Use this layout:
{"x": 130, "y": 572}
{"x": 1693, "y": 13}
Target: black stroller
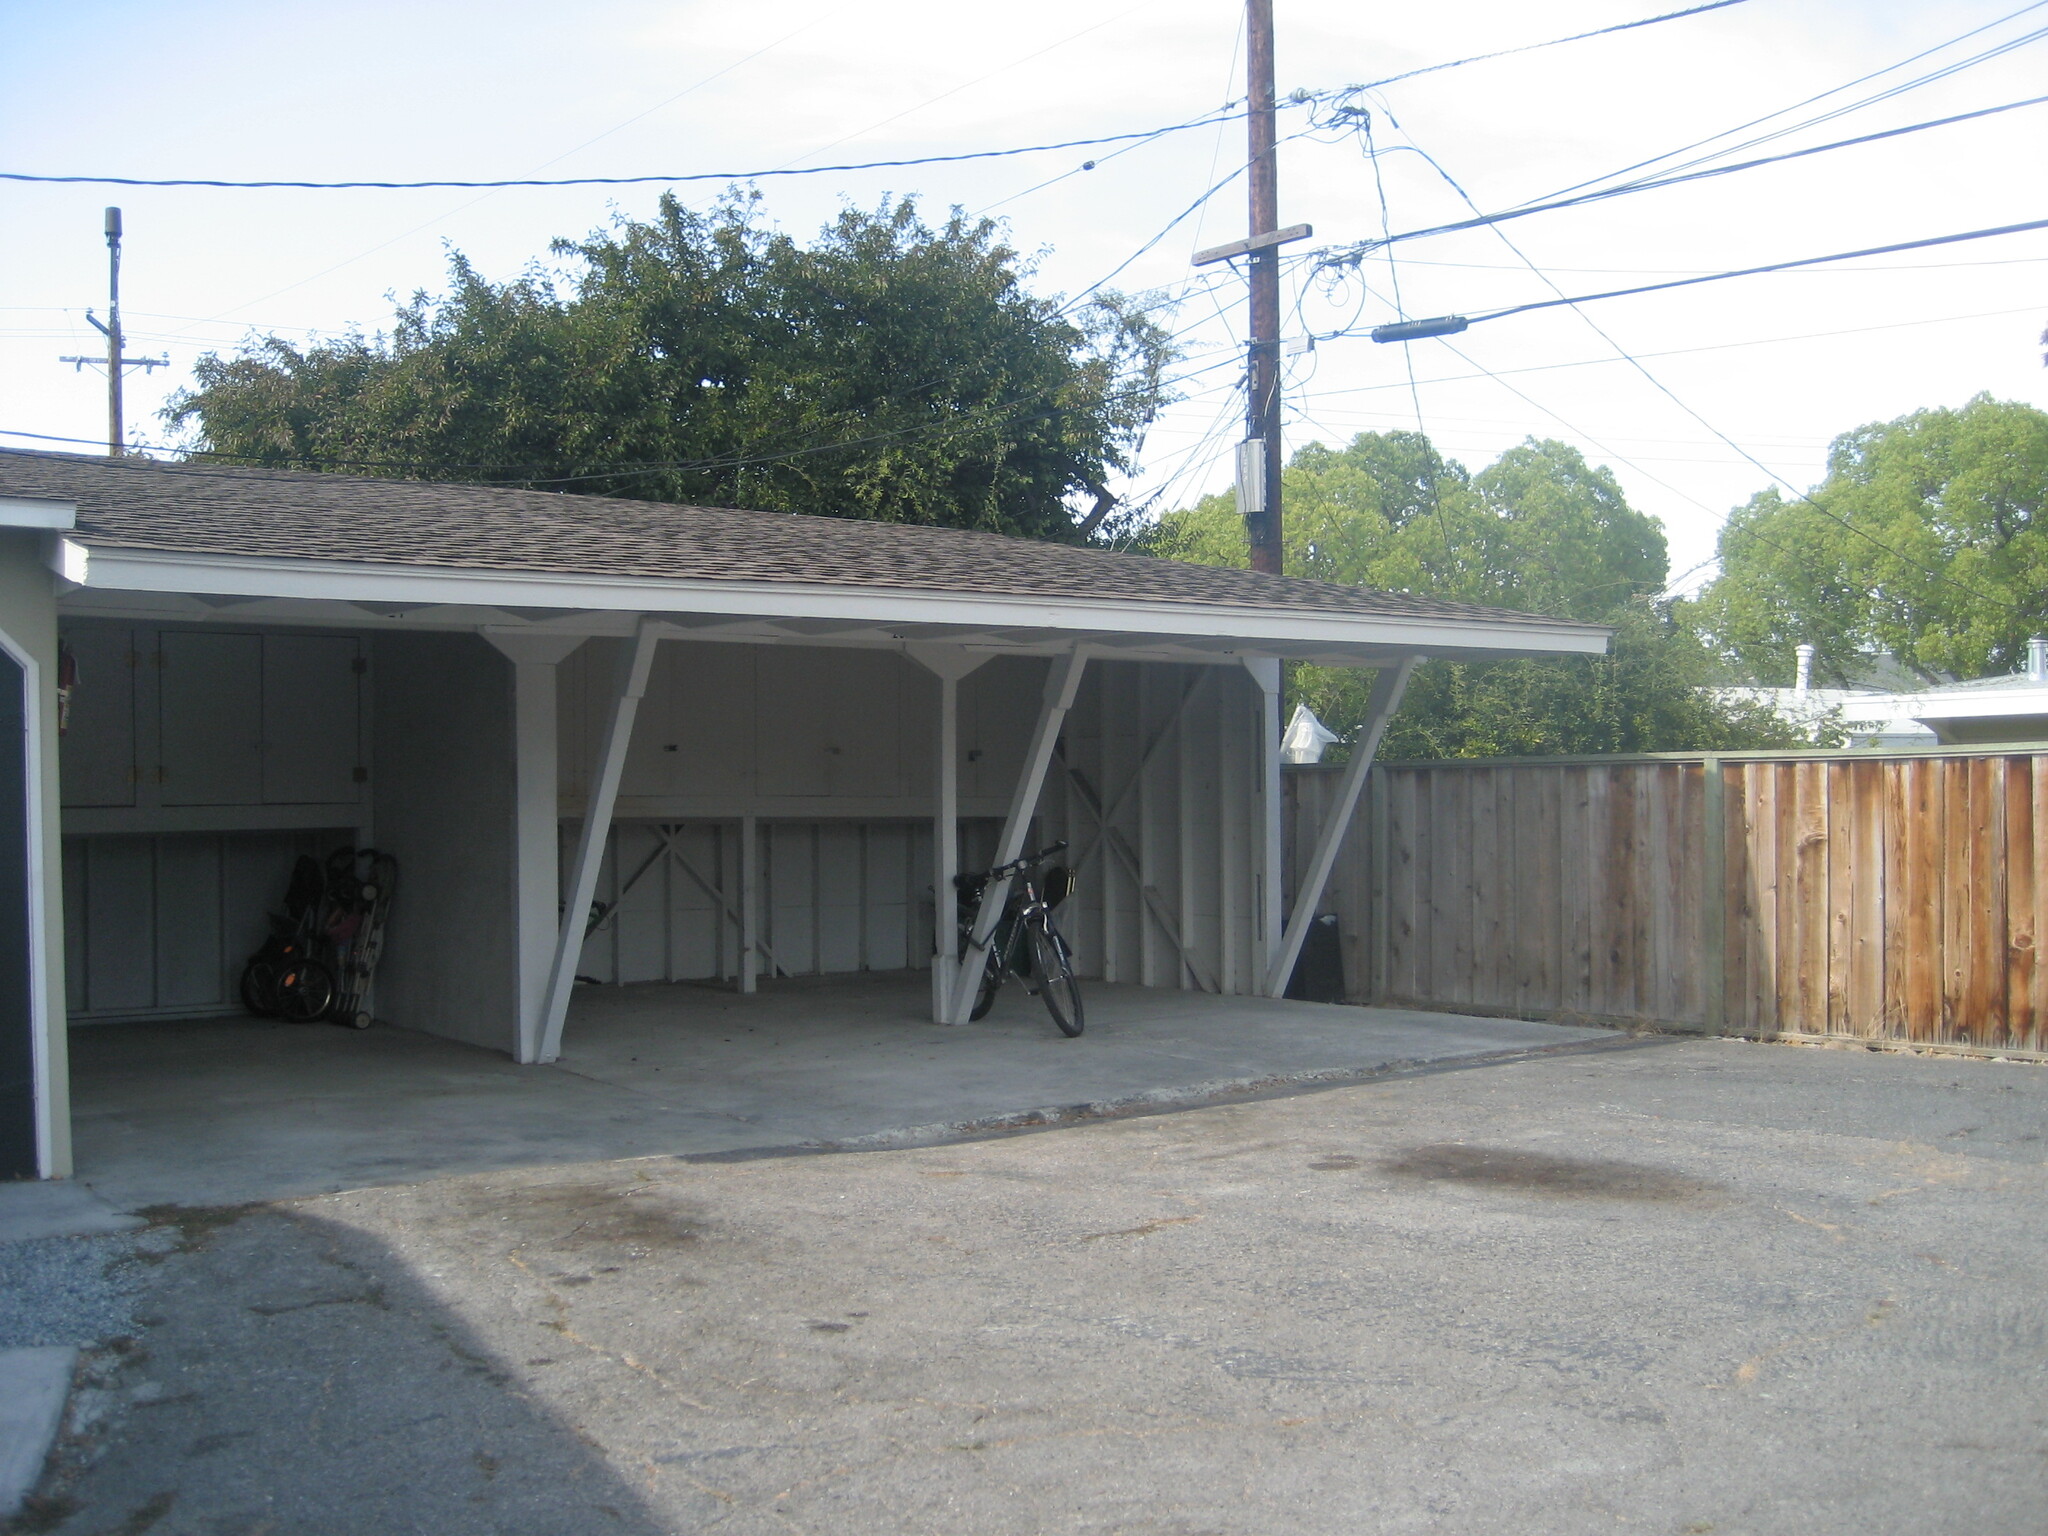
{"x": 323, "y": 948}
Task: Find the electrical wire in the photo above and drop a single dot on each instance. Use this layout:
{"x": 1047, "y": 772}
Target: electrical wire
{"x": 1875, "y": 99}
{"x": 1171, "y": 224}
{"x": 1775, "y": 266}
{"x": 1718, "y": 346}
{"x": 969, "y": 85}
{"x": 1526, "y": 210}
{"x": 1205, "y": 121}
{"x": 1379, "y": 185}
{"x": 1577, "y": 37}
{"x": 1945, "y": 71}
{"x": 1672, "y": 395}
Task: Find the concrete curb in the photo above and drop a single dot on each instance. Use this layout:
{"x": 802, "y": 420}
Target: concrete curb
{"x": 35, "y": 1384}
{"x": 35, "y": 1209}
{"x": 1159, "y": 1101}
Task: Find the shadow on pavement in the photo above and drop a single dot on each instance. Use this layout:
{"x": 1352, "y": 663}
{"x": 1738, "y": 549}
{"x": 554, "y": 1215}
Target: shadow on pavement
{"x": 293, "y": 1377}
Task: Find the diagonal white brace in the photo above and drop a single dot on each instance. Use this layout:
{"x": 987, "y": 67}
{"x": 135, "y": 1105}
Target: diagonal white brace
{"x": 732, "y": 913}
{"x": 1062, "y": 682}
{"x": 1104, "y": 819}
{"x": 602, "y": 797}
{"x": 1388, "y": 684}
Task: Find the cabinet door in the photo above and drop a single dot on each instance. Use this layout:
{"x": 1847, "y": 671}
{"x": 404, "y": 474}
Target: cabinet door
{"x": 795, "y": 711}
{"x": 311, "y": 719}
{"x": 211, "y": 718}
{"x": 97, "y": 752}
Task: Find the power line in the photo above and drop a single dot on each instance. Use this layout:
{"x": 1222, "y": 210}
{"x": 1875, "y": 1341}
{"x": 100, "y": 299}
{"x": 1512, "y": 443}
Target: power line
{"x": 1775, "y": 266}
{"x": 1577, "y": 37}
{"x": 1528, "y": 209}
{"x": 1875, "y": 99}
{"x": 1205, "y": 121}
{"x": 1436, "y": 499}
{"x": 1718, "y": 346}
{"x": 1941, "y": 73}
{"x": 968, "y": 84}
{"x": 1672, "y": 395}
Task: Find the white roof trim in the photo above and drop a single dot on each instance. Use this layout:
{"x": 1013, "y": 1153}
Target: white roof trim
{"x": 35, "y": 512}
{"x": 112, "y": 568}
{"x": 1987, "y": 704}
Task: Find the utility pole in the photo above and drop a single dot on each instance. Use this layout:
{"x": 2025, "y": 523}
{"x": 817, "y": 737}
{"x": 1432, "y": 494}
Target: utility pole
{"x": 116, "y": 363}
{"x": 1262, "y": 394}
{"x": 1260, "y": 455}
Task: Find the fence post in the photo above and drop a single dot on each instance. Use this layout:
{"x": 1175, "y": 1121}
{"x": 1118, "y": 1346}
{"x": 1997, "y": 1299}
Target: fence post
{"x": 1714, "y": 907}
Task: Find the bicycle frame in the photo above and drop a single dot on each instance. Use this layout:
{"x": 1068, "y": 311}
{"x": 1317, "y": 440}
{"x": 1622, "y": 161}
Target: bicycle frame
{"x": 1027, "y": 909}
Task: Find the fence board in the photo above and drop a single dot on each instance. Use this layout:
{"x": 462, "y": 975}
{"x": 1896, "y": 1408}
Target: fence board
{"x": 1899, "y": 898}
{"x": 1766, "y": 845}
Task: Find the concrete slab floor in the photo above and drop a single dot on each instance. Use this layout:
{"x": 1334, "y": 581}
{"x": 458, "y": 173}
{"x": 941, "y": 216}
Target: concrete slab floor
{"x": 34, "y": 1209}
{"x": 1693, "y": 1287}
{"x": 223, "y": 1111}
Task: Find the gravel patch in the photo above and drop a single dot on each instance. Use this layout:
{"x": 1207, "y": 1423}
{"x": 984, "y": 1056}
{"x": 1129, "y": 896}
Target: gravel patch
{"x": 72, "y": 1290}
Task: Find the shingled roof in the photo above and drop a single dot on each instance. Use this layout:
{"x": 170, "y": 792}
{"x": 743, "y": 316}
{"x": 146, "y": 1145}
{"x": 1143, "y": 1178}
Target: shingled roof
{"x": 204, "y": 509}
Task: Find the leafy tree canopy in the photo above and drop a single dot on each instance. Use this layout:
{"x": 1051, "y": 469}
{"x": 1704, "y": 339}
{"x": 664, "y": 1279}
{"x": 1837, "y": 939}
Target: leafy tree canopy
{"x": 1927, "y": 539}
{"x": 1539, "y": 530}
{"x": 889, "y": 370}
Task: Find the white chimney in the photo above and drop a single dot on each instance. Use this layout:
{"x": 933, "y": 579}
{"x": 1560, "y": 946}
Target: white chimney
{"x": 1804, "y": 681}
{"x": 2037, "y": 659}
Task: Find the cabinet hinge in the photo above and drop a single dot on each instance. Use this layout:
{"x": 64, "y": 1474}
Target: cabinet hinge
{"x": 360, "y": 665}
{"x": 362, "y": 775}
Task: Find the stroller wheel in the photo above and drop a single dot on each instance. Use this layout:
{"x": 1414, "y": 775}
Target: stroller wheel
{"x": 359, "y": 1020}
{"x": 259, "y": 988}
{"x": 305, "y": 990}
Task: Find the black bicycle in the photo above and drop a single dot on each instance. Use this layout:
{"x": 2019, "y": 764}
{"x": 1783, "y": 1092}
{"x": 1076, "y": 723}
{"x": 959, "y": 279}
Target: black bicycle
{"x": 1025, "y": 942}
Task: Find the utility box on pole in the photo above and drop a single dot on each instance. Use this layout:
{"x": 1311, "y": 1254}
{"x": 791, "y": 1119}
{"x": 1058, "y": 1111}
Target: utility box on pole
{"x": 1251, "y": 478}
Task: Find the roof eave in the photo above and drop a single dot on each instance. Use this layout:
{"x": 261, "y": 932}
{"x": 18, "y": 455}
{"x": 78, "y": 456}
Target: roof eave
{"x": 107, "y": 567}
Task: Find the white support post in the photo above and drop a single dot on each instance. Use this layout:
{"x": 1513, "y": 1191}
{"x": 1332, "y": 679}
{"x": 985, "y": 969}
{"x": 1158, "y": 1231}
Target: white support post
{"x": 601, "y": 797}
{"x": 1388, "y": 684}
{"x": 750, "y": 903}
{"x": 1062, "y": 682}
{"x": 536, "y": 820}
{"x": 1265, "y": 671}
{"x": 948, "y": 663}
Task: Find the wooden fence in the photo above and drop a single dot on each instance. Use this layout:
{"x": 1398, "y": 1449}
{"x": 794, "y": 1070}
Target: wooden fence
{"x": 1872, "y": 896}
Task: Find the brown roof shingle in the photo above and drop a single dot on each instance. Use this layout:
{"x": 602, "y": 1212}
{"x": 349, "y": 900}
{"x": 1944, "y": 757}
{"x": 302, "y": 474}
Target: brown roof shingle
{"x": 202, "y": 509}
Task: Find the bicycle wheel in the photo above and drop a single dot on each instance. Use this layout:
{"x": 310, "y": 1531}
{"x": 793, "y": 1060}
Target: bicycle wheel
{"x": 991, "y": 979}
{"x": 1056, "y": 983}
{"x": 305, "y": 991}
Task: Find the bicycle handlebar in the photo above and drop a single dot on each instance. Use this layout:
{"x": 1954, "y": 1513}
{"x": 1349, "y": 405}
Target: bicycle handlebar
{"x": 1016, "y": 866}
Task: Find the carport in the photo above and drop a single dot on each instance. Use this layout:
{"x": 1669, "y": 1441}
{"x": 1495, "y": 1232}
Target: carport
{"x": 635, "y": 742}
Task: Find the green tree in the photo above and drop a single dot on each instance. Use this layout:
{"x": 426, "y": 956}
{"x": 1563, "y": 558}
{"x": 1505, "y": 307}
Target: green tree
{"x": 1539, "y": 530}
{"x": 1927, "y": 540}
{"x": 889, "y": 370}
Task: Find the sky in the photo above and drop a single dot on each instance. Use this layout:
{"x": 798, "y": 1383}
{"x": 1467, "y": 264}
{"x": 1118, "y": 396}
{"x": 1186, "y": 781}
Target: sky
{"x": 1734, "y": 385}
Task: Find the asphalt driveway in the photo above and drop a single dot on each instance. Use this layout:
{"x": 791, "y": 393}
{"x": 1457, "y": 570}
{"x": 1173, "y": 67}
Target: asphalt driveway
{"x": 1670, "y": 1286}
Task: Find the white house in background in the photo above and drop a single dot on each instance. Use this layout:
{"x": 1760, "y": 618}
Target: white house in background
{"x": 1985, "y": 711}
{"x": 755, "y": 743}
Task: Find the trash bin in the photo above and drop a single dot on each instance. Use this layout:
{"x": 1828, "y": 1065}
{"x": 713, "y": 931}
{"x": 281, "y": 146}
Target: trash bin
{"x": 1319, "y": 971}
